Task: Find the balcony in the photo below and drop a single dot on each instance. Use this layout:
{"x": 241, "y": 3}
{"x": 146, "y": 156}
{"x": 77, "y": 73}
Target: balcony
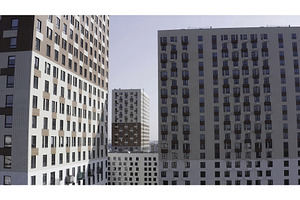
{"x": 234, "y": 41}
{"x": 163, "y": 43}
{"x": 70, "y": 179}
{"x": 164, "y": 151}
{"x": 235, "y": 58}
{"x": 255, "y": 75}
{"x": 236, "y": 94}
{"x": 257, "y": 112}
{"x": 186, "y": 132}
{"x": 164, "y": 96}
{"x": 257, "y": 131}
{"x": 185, "y": 95}
{"x": 163, "y": 78}
{"x": 80, "y": 176}
{"x": 164, "y": 132}
{"x": 186, "y": 113}
{"x": 237, "y": 131}
{"x": 185, "y": 77}
{"x": 254, "y": 58}
{"x": 186, "y": 150}
{"x": 266, "y": 67}
{"x": 256, "y": 94}
{"x": 236, "y": 76}
{"x": 253, "y": 40}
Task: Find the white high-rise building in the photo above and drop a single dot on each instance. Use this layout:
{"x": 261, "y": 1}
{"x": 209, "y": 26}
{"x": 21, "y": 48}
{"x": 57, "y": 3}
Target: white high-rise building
{"x": 229, "y": 106}
{"x": 53, "y": 99}
{"x": 133, "y": 168}
{"x": 130, "y": 120}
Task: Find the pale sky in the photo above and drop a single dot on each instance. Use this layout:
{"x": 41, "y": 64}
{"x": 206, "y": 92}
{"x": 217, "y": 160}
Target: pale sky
{"x": 133, "y": 48}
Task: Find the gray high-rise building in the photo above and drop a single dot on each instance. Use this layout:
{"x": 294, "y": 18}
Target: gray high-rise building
{"x": 130, "y": 120}
{"x": 53, "y": 99}
{"x": 229, "y": 106}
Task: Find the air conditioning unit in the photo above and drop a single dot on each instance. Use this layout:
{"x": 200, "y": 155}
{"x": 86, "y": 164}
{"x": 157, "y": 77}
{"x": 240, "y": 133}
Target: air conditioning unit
{"x": 70, "y": 179}
{"x": 58, "y": 181}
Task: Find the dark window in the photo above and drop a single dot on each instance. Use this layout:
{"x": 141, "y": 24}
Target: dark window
{"x": 14, "y": 24}
{"x": 38, "y": 25}
{"x": 36, "y": 63}
{"x": 10, "y": 81}
{"x": 9, "y": 101}
{"x": 37, "y": 44}
{"x": 11, "y": 61}
{"x": 8, "y": 121}
{"x": 13, "y": 43}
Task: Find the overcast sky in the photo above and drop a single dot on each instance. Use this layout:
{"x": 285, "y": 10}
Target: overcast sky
{"x": 133, "y": 48}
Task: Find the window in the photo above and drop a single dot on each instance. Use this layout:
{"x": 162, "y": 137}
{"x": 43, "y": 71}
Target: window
{"x": 7, "y": 162}
{"x": 38, "y": 25}
{"x": 49, "y": 33}
{"x": 48, "y": 50}
{"x": 7, "y": 141}
{"x": 37, "y": 44}
{"x": 9, "y": 101}
{"x": 8, "y": 121}
{"x": 34, "y": 101}
{"x": 57, "y": 22}
{"x": 35, "y": 82}
{"x": 46, "y": 89}
{"x": 14, "y": 24}
{"x": 45, "y": 123}
{"x": 44, "y": 160}
{"x": 13, "y": 43}
{"x": 55, "y": 55}
{"x": 36, "y": 63}
{"x": 11, "y": 61}
{"x": 34, "y": 121}
{"x": 10, "y": 81}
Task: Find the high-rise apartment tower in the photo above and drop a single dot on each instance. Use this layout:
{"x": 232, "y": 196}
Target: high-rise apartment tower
{"x": 130, "y": 120}
{"x": 53, "y": 99}
{"x": 229, "y": 106}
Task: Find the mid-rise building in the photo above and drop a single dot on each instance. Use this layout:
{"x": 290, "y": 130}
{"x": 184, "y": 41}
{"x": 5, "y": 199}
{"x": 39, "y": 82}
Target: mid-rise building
{"x": 229, "y": 106}
{"x": 53, "y": 99}
{"x": 130, "y": 120}
{"x": 132, "y": 168}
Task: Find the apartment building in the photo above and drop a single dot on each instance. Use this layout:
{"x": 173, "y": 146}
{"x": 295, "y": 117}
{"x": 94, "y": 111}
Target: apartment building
{"x": 132, "y": 168}
{"x": 229, "y": 106}
{"x": 53, "y": 99}
{"x": 130, "y": 120}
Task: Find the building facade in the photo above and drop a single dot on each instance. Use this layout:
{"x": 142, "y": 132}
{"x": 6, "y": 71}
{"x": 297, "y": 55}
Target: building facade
{"x": 229, "y": 106}
{"x": 130, "y": 120}
{"x": 132, "y": 168}
{"x": 53, "y": 100}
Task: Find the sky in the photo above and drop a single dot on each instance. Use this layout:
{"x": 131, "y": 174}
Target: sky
{"x": 133, "y": 56}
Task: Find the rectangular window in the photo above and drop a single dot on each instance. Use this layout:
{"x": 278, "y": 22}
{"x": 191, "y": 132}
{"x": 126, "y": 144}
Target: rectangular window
{"x": 57, "y": 22}
{"x": 49, "y": 33}
{"x": 34, "y": 121}
{"x": 9, "y": 101}
{"x": 33, "y": 141}
{"x": 36, "y": 63}
{"x": 7, "y": 141}
{"x": 10, "y": 81}
{"x": 56, "y": 55}
{"x": 46, "y": 89}
{"x": 34, "y": 101}
{"x": 11, "y": 61}
{"x": 44, "y": 160}
{"x": 13, "y": 43}
{"x": 38, "y": 25}
{"x": 14, "y": 24}
{"x": 35, "y": 82}
{"x": 7, "y": 162}
{"x": 48, "y": 50}
{"x": 37, "y": 44}
{"x": 8, "y": 121}
{"x": 45, "y": 123}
